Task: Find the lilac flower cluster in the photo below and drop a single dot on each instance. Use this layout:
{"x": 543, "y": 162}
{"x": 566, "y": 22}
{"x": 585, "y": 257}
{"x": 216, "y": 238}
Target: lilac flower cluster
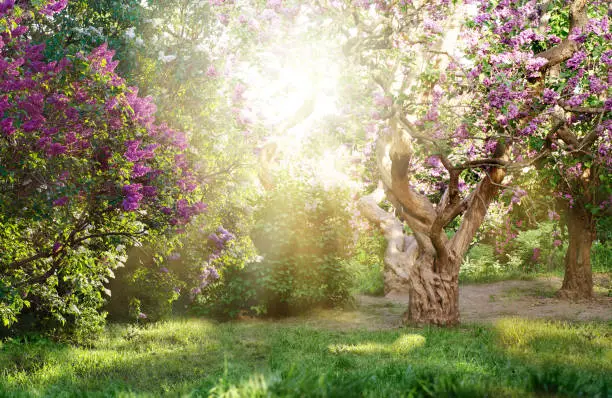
{"x": 221, "y": 237}
{"x": 134, "y": 153}
{"x": 575, "y": 61}
{"x": 550, "y": 96}
{"x": 382, "y": 100}
{"x": 133, "y": 196}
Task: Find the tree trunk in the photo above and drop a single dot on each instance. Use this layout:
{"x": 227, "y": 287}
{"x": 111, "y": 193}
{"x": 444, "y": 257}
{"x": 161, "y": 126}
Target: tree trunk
{"x": 578, "y": 280}
{"x": 433, "y": 297}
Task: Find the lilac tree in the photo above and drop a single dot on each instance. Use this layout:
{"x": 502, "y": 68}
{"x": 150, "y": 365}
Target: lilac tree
{"x": 549, "y": 71}
{"x": 461, "y": 104}
{"x": 85, "y": 171}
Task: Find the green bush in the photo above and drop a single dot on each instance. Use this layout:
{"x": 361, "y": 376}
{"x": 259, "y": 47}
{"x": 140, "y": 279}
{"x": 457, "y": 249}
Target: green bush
{"x": 235, "y": 291}
{"x": 530, "y": 252}
{"x": 143, "y": 291}
{"x": 367, "y": 263}
{"x": 601, "y": 257}
{"x": 536, "y": 250}
{"x": 304, "y": 235}
{"x": 480, "y": 264}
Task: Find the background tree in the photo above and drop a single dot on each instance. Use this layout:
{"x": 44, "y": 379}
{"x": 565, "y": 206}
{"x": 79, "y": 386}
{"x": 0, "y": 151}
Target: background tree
{"x": 569, "y": 109}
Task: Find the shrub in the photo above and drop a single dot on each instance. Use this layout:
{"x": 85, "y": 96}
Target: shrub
{"x": 85, "y": 170}
{"x": 236, "y": 289}
{"x": 530, "y": 252}
{"x": 536, "y": 248}
{"x": 367, "y": 263}
{"x": 601, "y": 257}
{"x": 480, "y": 264}
{"x": 143, "y": 290}
{"x": 304, "y": 235}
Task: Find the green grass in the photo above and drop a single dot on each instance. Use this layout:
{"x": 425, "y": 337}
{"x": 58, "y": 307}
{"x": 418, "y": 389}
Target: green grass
{"x": 483, "y": 278}
{"x": 194, "y": 357}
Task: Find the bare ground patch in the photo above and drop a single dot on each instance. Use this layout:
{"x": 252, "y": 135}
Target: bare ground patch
{"x": 478, "y": 303}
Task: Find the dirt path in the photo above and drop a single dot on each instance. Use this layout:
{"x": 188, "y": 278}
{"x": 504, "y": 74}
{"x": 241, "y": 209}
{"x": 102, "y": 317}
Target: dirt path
{"x": 478, "y": 303}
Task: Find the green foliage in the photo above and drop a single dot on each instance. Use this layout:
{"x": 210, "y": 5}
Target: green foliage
{"x": 142, "y": 290}
{"x": 511, "y": 358}
{"x": 480, "y": 264}
{"x": 236, "y": 289}
{"x": 154, "y": 291}
{"x": 303, "y": 233}
{"x": 530, "y": 252}
{"x": 367, "y": 263}
{"x": 304, "y": 236}
{"x": 601, "y": 257}
{"x": 534, "y": 250}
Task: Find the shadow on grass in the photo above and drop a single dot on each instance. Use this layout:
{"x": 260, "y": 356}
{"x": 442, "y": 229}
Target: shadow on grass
{"x": 515, "y": 357}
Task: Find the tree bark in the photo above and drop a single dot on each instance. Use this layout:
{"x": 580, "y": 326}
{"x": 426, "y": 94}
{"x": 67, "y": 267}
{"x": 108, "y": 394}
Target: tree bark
{"x": 433, "y": 297}
{"x": 578, "y": 280}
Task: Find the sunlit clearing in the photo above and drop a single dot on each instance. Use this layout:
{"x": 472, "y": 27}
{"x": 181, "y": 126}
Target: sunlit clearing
{"x": 402, "y": 345}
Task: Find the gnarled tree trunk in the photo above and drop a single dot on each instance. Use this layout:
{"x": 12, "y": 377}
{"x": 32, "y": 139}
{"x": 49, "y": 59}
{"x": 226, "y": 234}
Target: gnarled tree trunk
{"x": 578, "y": 280}
{"x": 433, "y": 297}
{"x": 427, "y": 261}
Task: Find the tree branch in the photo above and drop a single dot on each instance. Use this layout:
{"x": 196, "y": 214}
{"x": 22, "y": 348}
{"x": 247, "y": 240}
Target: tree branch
{"x": 392, "y": 229}
{"x": 566, "y": 49}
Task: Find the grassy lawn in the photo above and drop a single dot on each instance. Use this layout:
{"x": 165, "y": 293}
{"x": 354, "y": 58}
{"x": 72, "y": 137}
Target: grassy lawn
{"x": 194, "y": 357}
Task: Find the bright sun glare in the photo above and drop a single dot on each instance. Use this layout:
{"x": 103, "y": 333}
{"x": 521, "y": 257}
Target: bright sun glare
{"x": 289, "y": 92}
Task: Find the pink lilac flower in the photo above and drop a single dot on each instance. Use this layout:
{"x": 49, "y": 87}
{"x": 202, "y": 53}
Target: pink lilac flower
{"x": 238, "y": 92}
{"x": 211, "y": 71}
{"x": 490, "y": 146}
{"x": 577, "y": 35}
{"x": 596, "y": 85}
{"x": 606, "y": 57}
{"x": 54, "y": 6}
{"x": 6, "y": 126}
{"x": 149, "y": 191}
{"x": 577, "y": 100}
{"x": 381, "y": 100}
{"x": 535, "y": 64}
{"x": 553, "y": 215}
{"x": 55, "y": 149}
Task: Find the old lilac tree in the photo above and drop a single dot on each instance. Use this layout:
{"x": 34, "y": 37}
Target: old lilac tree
{"x": 460, "y": 105}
